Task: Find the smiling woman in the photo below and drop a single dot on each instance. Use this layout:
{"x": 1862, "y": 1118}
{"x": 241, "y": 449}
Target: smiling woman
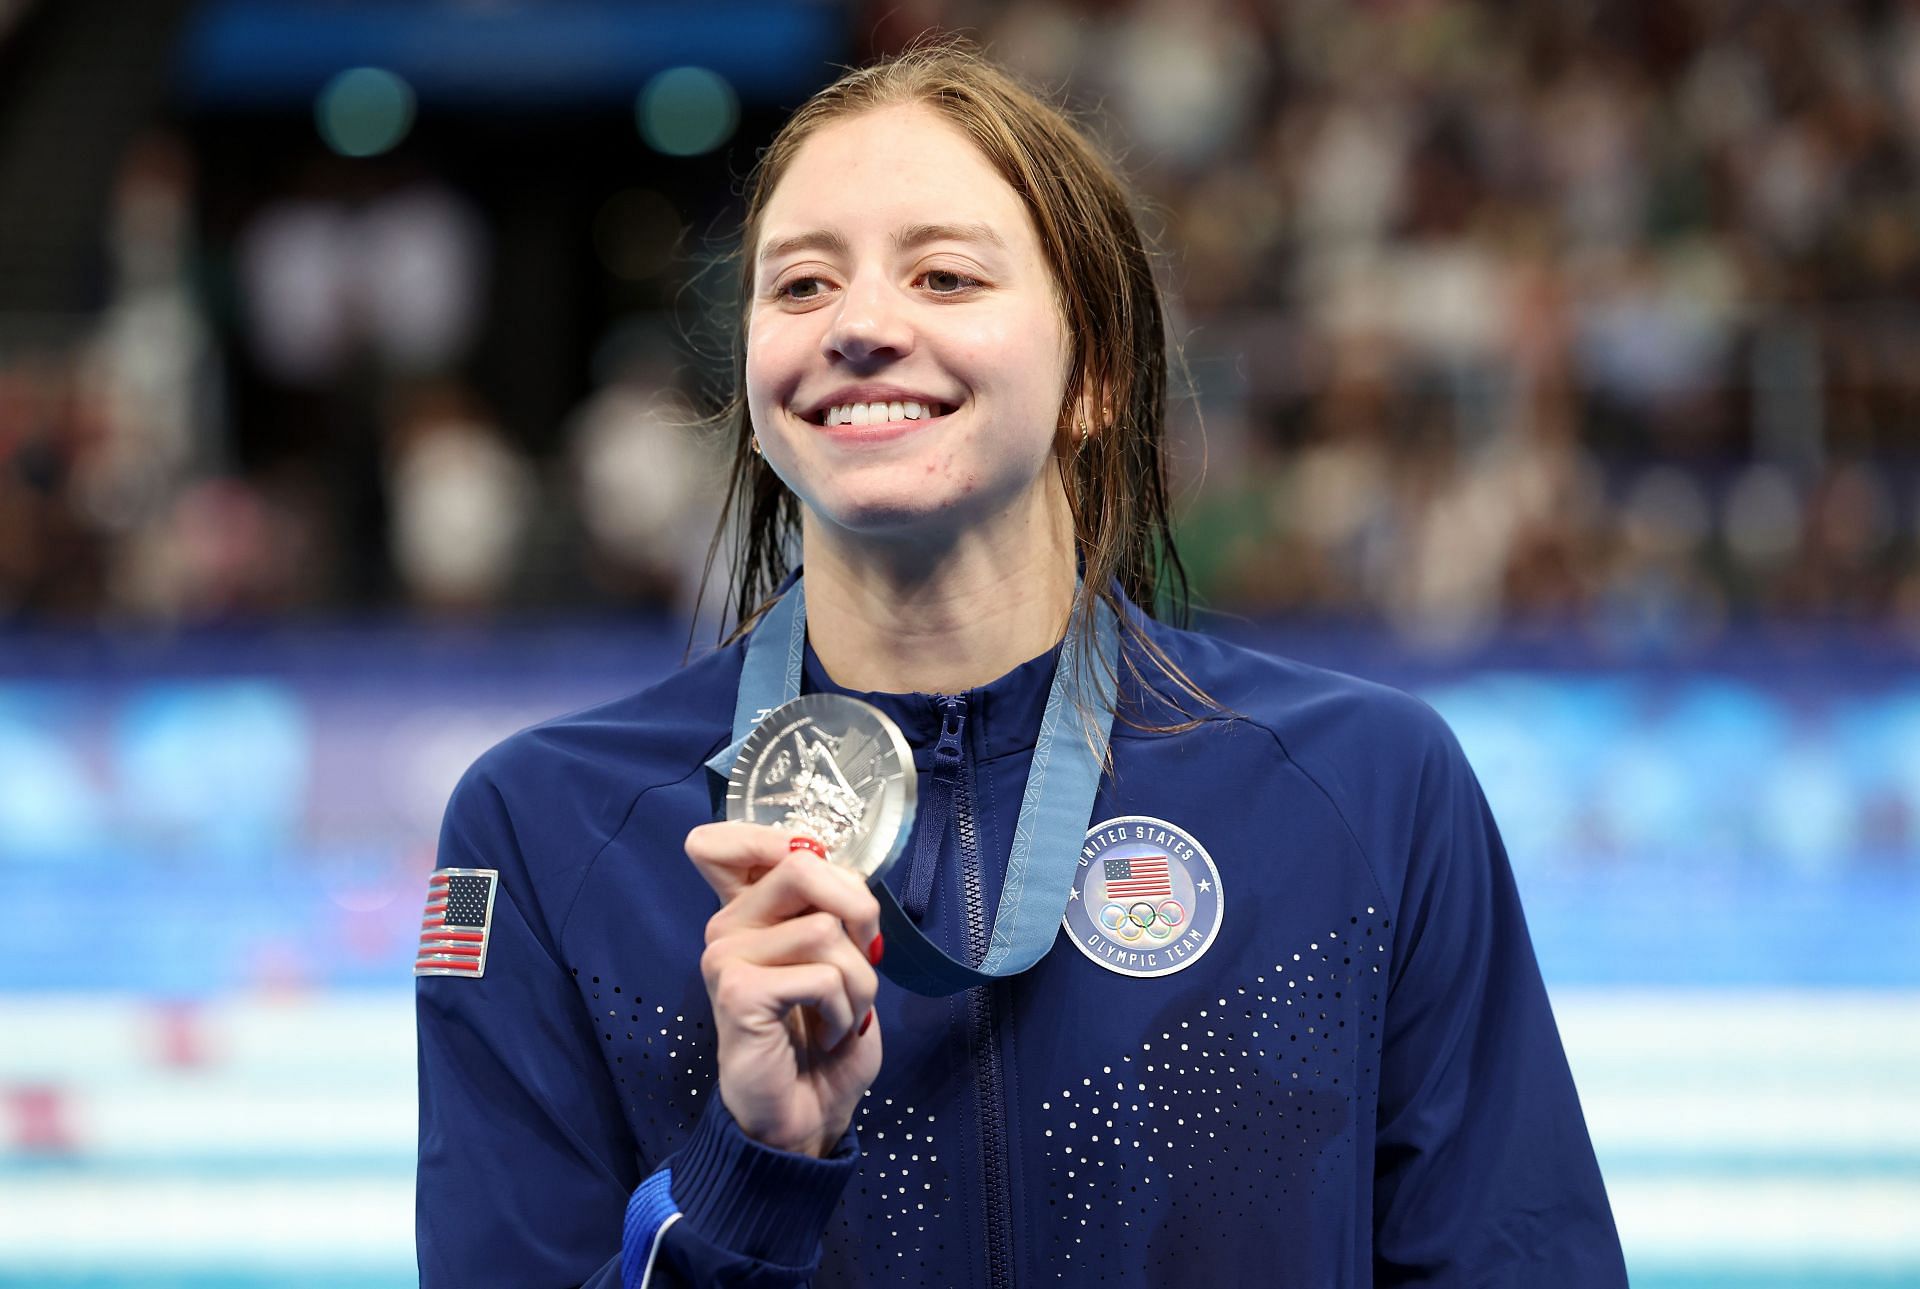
{"x": 922, "y": 220}
{"x": 863, "y": 303}
{"x": 1299, "y": 1037}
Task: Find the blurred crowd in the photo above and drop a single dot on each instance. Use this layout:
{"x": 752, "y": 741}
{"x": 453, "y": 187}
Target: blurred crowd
{"x": 307, "y": 435}
{"x": 1490, "y": 315}
{"x": 1551, "y": 312}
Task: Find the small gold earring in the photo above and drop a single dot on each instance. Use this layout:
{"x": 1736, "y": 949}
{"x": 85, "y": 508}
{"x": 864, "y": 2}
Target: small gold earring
{"x": 756, "y": 446}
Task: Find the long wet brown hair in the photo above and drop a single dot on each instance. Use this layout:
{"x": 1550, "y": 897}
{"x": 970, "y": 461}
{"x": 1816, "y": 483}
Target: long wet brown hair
{"x": 1116, "y": 474}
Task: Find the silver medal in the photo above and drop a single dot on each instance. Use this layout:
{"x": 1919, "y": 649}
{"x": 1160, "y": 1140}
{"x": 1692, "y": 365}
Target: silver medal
{"x": 834, "y": 768}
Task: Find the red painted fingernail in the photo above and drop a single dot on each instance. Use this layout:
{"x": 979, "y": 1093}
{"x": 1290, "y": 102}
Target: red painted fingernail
{"x": 876, "y": 950}
{"x": 806, "y": 843}
{"x": 868, "y": 1022}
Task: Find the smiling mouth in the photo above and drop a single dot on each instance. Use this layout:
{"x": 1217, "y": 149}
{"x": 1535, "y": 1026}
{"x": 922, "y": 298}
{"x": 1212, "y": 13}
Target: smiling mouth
{"x": 880, "y": 413}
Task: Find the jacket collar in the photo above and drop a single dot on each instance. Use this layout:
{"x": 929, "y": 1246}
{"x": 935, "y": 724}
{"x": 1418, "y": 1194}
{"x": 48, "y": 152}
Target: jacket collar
{"x": 1003, "y": 716}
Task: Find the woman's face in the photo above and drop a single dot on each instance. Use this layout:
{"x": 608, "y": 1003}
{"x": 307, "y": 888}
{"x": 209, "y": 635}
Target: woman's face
{"x": 906, "y": 357}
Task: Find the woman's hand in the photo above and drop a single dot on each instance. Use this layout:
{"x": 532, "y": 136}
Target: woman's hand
{"x": 789, "y": 970}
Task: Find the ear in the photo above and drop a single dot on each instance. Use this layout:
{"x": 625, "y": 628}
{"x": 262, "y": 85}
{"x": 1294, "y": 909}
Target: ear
{"x": 1091, "y": 413}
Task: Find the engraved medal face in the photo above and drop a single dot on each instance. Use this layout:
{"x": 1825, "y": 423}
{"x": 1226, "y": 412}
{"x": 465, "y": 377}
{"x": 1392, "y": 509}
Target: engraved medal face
{"x": 835, "y": 769}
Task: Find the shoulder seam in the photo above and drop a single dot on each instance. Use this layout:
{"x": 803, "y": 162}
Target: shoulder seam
{"x": 1373, "y": 869}
{"x": 560, "y": 931}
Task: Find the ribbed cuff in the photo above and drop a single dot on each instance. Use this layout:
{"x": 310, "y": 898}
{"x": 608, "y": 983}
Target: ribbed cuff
{"x": 770, "y": 1205}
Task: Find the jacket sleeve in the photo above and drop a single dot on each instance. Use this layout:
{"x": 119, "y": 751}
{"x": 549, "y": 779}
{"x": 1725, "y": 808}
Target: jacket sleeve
{"x": 1485, "y": 1175}
{"x": 528, "y": 1174}
{"x": 725, "y": 1210}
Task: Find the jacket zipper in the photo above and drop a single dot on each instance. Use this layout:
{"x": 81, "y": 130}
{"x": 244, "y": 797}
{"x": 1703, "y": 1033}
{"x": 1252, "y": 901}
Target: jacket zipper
{"x": 983, "y": 1038}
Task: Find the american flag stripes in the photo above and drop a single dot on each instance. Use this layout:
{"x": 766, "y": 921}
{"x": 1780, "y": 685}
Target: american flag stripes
{"x": 1138, "y": 879}
{"x": 457, "y": 923}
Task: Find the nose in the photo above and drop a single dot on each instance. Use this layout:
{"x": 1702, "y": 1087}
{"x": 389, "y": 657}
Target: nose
{"x": 869, "y": 325}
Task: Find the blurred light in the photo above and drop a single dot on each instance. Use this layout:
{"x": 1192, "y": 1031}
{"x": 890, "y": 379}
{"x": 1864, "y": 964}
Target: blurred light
{"x": 49, "y": 807}
{"x": 364, "y": 111}
{"x": 217, "y": 769}
{"x": 635, "y": 233}
{"x": 1643, "y": 800}
{"x": 685, "y": 111}
{"x": 1808, "y": 808}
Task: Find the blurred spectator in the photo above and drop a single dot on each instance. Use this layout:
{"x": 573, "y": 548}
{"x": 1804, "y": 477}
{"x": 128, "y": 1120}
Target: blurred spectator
{"x": 52, "y": 560}
{"x": 1548, "y": 315}
{"x": 646, "y": 481}
{"x": 462, "y": 501}
{"x": 1556, "y": 315}
{"x": 401, "y": 275}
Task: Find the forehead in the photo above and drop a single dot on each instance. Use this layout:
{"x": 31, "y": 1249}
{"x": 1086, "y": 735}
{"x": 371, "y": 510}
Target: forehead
{"x": 889, "y": 168}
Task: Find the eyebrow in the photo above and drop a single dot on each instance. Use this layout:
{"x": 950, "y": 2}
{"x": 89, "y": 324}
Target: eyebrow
{"x": 913, "y": 235}
{"x": 920, "y": 234}
{"x": 820, "y": 240}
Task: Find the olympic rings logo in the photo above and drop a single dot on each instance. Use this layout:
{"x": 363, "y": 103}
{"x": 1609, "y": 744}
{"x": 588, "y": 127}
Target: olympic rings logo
{"x": 1130, "y": 922}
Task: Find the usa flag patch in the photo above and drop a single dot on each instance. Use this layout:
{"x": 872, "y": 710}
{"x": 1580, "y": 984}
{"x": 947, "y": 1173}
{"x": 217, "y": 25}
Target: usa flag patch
{"x": 457, "y": 923}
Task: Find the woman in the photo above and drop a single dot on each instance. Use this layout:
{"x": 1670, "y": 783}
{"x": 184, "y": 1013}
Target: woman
{"x": 1293, "y": 1032}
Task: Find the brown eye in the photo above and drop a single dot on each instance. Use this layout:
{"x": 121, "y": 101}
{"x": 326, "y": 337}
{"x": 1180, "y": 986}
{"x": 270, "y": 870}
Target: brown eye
{"x": 805, "y": 288}
{"x": 947, "y": 282}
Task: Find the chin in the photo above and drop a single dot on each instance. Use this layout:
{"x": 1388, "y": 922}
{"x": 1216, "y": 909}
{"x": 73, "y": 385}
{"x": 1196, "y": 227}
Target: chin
{"x": 890, "y": 517}
{"x": 897, "y": 510}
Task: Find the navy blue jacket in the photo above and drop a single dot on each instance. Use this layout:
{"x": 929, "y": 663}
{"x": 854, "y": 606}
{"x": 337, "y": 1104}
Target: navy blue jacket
{"x": 1359, "y": 1083}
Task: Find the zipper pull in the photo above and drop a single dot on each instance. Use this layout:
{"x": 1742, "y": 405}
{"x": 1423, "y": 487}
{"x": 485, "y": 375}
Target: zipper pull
{"x": 953, "y": 723}
{"x": 936, "y": 810}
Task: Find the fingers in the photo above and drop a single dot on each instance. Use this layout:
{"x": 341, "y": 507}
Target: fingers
{"x": 788, "y": 883}
{"x": 733, "y": 855}
{"x": 750, "y": 995}
{"x": 800, "y": 884}
{"x": 814, "y": 939}
{"x": 792, "y": 930}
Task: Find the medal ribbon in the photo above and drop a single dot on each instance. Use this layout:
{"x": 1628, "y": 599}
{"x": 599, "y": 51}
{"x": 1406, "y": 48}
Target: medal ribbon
{"x": 1062, "y": 779}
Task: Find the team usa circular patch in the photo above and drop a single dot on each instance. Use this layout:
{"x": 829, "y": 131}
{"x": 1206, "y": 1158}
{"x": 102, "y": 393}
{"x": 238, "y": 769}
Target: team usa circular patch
{"x": 1145, "y": 899}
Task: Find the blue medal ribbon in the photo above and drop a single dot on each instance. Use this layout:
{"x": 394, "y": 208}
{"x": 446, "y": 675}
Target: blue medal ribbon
{"x": 1054, "y": 811}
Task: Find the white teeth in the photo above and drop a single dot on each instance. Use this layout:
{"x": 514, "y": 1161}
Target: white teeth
{"x": 881, "y": 413}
